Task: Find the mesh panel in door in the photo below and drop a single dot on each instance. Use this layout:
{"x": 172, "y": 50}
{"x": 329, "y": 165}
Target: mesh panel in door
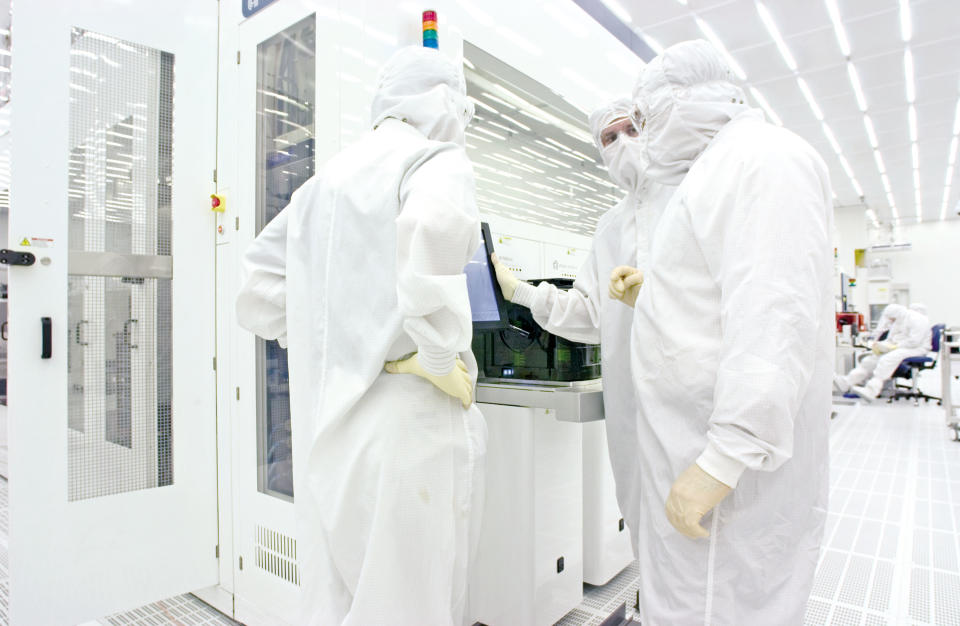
{"x": 119, "y": 320}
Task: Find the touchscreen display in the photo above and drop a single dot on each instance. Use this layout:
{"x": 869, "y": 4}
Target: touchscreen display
{"x": 483, "y": 298}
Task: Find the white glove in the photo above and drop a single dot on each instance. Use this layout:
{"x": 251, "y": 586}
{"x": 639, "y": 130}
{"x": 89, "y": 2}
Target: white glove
{"x": 456, "y": 383}
{"x": 508, "y": 282}
{"x": 882, "y": 347}
{"x": 694, "y": 494}
{"x": 625, "y": 283}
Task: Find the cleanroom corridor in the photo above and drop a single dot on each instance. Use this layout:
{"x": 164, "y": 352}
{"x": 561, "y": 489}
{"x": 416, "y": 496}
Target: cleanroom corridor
{"x": 528, "y": 312}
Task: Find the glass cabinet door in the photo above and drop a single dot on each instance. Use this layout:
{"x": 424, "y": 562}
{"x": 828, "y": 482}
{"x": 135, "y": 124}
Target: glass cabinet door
{"x": 286, "y": 75}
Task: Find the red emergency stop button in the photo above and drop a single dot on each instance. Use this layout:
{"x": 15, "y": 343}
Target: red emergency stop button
{"x": 217, "y": 203}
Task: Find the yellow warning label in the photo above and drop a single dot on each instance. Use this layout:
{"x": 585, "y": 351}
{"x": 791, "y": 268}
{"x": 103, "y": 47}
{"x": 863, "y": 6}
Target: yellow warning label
{"x": 25, "y": 242}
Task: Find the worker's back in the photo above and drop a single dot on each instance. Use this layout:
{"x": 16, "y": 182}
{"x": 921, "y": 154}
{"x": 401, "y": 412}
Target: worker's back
{"x": 342, "y": 248}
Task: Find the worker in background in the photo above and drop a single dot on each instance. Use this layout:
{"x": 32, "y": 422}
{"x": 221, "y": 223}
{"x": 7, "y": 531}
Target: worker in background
{"x": 732, "y": 351}
{"x": 365, "y": 267}
{"x": 908, "y": 335}
{"x": 920, "y": 308}
{"x": 586, "y": 313}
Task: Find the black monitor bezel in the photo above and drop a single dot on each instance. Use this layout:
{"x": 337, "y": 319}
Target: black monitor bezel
{"x": 503, "y": 322}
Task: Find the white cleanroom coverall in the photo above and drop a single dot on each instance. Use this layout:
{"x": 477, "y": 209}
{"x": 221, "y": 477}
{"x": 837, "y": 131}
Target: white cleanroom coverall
{"x": 910, "y": 332}
{"x": 587, "y": 314}
{"x": 732, "y": 350}
{"x": 365, "y": 266}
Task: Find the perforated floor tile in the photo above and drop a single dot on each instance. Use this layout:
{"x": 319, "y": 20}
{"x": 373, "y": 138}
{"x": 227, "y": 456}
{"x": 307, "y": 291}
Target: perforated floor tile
{"x": 891, "y": 548}
{"x": 891, "y": 551}
{"x": 599, "y": 602}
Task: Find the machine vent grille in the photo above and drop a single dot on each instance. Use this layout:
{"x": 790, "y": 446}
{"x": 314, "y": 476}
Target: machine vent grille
{"x": 277, "y": 554}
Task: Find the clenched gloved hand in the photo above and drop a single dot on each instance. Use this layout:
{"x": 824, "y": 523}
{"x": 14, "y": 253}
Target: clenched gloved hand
{"x": 508, "y": 282}
{"x": 694, "y": 494}
{"x": 456, "y": 383}
{"x": 625, "y": 283}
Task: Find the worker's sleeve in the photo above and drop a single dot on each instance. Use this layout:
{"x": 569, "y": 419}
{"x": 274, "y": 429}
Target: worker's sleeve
{"x": 771, "y": 259}
{"x": 438, "y": 231}
{"x": 262, "y": 302}
{"x": 572, "y": 314}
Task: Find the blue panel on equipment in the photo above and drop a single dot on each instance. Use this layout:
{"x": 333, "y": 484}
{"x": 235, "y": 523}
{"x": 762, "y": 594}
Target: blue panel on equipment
{"x": 250, "y": 7}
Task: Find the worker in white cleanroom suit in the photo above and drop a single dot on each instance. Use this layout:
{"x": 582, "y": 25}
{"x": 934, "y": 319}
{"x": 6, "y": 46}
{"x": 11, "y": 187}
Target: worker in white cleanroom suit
{"x": 732, "y": 353}
{"x": 586, "y": 313}
{"x": 908, "y": 335}
{"x": 364, "y": 267}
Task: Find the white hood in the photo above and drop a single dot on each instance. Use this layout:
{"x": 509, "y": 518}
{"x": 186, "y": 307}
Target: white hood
{"x": 684, "y": 97}
{"x": 423, "y": 88}
{"x": 625, "y": 158}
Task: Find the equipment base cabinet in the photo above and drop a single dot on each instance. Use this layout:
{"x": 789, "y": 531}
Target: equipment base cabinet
{"x": 529, "y": 566}
{"x": 606, "y": 539}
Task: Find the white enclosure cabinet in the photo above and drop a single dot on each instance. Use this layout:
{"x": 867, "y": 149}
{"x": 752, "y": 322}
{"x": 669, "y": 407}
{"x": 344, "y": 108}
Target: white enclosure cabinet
{"x": 112, "y": 405}
{"x": 529, "y": 566}
{"x": 606, "y": 539}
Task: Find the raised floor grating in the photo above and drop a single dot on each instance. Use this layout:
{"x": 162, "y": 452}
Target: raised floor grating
{"x": 892, "y": 543}
{"x": 891, "y": 548}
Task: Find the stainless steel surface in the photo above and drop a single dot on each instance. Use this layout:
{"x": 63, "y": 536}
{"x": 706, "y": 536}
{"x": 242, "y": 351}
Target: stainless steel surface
{"x": 583, "y": 403}
{"x": 120, "y": 265}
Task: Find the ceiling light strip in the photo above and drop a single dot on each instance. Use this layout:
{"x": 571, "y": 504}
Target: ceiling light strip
{"x": 838, "y": 30}
{"x": 718, "y": 44}
{"x": 817, "y": 112}
{"x": 771, "y": 27}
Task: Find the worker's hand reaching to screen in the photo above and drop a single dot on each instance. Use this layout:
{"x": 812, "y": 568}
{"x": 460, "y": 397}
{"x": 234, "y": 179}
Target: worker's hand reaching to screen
{"x": 625, "y": 283}
{"x": 456, "y": 383}
{"x": 508, "y": 282}
{"x": 694, "y": 494}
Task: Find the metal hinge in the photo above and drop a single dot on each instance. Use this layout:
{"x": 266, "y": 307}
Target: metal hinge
{"x": 214, "y": 363}
{"x": 236, "y": 225}
{"x": 218, "y": 551}
{"x": 214, "y": 174}
{"x": 241, "y": 567}
{"x": 238, "y": 57}
{"x": 238, "y": 393}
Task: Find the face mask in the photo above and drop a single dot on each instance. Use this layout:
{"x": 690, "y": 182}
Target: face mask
{"x": 626, "y": 162}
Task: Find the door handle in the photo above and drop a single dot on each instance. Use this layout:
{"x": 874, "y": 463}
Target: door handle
{"x": 16, "y": 257}
{"x": 3, "y": 331}
{"x": 46, "y": 340}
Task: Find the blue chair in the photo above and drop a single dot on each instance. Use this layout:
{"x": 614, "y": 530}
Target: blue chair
{"x": 910, "y": 369}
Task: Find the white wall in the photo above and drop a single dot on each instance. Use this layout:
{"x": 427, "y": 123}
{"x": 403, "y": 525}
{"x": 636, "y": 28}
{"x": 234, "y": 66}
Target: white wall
{"x": 931, "y": 267}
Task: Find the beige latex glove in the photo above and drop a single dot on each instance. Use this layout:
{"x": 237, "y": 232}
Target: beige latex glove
{"x": 882, "y": 347}
{"x": 625, "y": 283}
{"x": 508, "y": 282}
{"x": 694, "y": 494}
{"x": 457, "y": 383}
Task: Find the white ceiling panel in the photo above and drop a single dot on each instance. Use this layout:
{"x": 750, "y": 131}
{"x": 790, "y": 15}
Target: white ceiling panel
{"x": 815, "y": 48}
{"x": 875, "y": 33}
{"x": 756, "y": 62}
{"x": 737, "y": 24}
{"x": 832, "y": 90}
{"x": 935, "y": 19}
{"x": 795, "y": 18}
